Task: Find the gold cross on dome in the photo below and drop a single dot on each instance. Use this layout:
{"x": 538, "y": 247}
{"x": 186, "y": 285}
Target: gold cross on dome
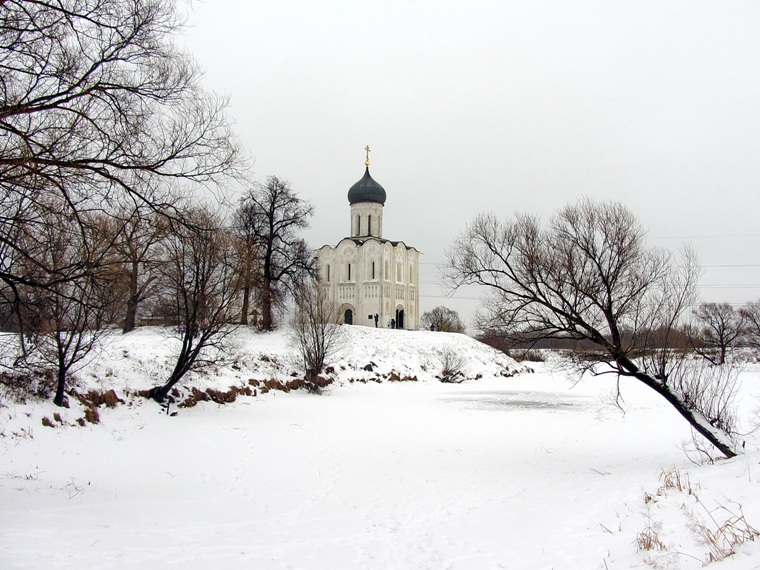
{"x": 366, "y": 162}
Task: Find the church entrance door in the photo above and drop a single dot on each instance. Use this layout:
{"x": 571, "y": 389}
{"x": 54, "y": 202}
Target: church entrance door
{"x": 348, "y": 317}
{"x": 399, "y": 318}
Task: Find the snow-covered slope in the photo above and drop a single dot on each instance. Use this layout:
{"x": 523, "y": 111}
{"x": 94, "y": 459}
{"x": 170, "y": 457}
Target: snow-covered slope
{"x": 143, "y": 358}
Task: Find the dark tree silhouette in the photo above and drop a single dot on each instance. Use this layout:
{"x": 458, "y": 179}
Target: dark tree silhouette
{"x": 267, "y": 220}
{"x": 751, "y": 315}
{"x": 63, "y": 330}
{"x": 719, "y": 328}
{"x": 98, "y": 106}
{"x": 137, "y": 234}
{"x": 442, "y": 319}
{"x": 202, "y": 272}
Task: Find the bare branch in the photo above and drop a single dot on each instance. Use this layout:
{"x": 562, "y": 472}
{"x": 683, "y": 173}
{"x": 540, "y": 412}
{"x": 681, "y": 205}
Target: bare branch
{"x": 587, "y": 278}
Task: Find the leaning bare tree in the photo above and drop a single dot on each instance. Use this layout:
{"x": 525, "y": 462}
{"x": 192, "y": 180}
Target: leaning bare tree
{"x": 589, "y": 276}
{"x": 314, "y": 330}
{"x": 201, "y": 270}
{"x": 268, "y": 220}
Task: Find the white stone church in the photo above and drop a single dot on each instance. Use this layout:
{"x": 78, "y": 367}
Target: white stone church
{"x": 375, "y": 281}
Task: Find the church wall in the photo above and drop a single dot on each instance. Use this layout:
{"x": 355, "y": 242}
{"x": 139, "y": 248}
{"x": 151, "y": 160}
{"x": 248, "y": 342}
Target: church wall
{"x": 366, "y": 220}
{"x": 351, "y": 283}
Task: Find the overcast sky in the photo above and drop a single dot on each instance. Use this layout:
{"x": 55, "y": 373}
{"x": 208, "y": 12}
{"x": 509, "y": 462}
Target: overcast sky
{"x": 503, "y": 106}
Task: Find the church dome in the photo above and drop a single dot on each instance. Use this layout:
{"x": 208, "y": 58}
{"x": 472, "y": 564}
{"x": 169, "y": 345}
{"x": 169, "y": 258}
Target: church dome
{"x": 366, "y": 190}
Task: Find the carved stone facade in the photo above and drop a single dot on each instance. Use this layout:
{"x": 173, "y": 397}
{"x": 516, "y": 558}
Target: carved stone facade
{"x": 375, "y": 281}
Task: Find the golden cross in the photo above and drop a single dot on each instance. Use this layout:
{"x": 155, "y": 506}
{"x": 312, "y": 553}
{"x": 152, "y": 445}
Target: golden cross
{"x": 366, "y": 162}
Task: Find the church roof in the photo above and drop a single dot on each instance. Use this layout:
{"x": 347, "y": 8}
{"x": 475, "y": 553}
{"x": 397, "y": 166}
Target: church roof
{"x": 366, "y": 190}
{"x": 360, "y": 241}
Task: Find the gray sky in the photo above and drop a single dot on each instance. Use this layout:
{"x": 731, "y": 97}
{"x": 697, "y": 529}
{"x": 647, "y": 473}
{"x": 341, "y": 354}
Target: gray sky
{"x": 503, "y": 106}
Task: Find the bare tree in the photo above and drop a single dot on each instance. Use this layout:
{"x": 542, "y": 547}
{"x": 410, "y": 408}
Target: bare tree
{"x": 250, "y": 269}
{"x": 201, "y": 271}
{"x": 65, "y": 325}
{"x": 452, "y": 363}
{"x": 268, "y": 220}
{"x": 589, "y": 277}
{"x": 98, "y": 105}
{"x": 69, "y": 334}
{"x": 751, "y": 315}
{"x": 137, "y": 235}
{"x": 719, "y": 328}
{"x": 25, "y": 255}
{"x": 442, "y": 319}
{"x": 314, "y": 329}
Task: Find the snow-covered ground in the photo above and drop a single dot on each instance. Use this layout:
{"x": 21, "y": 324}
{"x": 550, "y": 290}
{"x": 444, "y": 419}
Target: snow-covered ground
{"x": 507, "y": 471}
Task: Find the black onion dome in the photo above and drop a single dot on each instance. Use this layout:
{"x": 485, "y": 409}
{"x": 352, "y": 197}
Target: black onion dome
{"x": 366, "y": 190}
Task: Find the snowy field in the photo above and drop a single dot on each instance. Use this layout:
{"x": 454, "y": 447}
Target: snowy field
{"x": 522, "y": 471}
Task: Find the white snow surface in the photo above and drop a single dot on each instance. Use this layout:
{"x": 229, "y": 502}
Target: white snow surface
{"x": 526, "y": 470}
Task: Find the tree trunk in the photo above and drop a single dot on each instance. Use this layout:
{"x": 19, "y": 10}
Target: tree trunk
{"x": 159, "y": 393}
{"x": 246, "y": 302}
{"x": 130, "y": 319}
{"x": 188, "y": 354}
{"x": 247, "y": 286}
{"x": 266, "y": 305}
{"x": 58, "y": 400}
{"x": 697, "y": 421}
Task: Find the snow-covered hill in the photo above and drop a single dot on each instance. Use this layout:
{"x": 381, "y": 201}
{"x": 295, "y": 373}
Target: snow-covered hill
{"x": 252, "y": 363}
{"x": 144, "y": 358}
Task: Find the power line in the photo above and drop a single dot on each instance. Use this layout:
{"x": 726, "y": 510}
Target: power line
{"x": 731, "y": 286}
{"x": 730, "y": 266}
{"x": 716, "y": 266}
{"x": 717, "y": 236}
{"x": 450, "y": 297}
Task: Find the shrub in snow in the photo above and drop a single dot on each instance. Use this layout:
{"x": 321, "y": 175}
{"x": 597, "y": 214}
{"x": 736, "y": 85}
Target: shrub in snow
{"x": 451, "y": 366}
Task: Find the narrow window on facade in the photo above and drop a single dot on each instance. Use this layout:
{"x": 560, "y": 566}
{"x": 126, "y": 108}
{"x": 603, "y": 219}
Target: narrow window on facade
{"x": 328, "y": 273}
{"x": 373, "y": 270}
{"x": 369, "y": 226}
{"x": 349, "y": 272}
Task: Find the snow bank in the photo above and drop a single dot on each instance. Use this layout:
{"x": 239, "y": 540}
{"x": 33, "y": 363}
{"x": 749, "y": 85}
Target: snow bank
{"x": 144, "y": 358}
{"x": 126, "y": 364}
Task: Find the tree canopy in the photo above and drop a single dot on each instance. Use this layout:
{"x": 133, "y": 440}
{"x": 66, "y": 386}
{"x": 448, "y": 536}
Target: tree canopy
{"x": 589, "y": 275}
{"x": 442, "y": 319}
